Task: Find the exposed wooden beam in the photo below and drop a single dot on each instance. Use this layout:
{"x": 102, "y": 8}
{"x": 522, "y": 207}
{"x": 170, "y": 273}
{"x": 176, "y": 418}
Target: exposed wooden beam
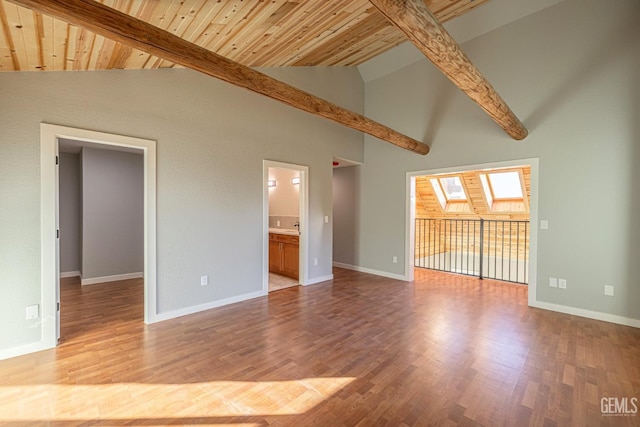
{"x": 420, "y": 26}
{"x": 138, "y": 34}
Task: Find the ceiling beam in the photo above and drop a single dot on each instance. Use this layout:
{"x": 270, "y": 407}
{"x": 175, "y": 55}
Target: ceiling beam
{"x": 141, "y": 35}
{"x": 416, "y": 21}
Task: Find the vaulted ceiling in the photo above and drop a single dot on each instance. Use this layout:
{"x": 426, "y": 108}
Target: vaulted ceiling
{"x": 256, "y": 33}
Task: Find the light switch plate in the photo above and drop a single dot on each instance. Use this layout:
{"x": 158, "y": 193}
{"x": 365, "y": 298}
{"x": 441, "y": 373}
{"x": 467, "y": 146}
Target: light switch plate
{"x": 562, "y": 283}
{"x": 33, "y": 311}
{"x": 608, "y": 290}
{"x": 553, "y": 282}
{"x": 544, "y": 224}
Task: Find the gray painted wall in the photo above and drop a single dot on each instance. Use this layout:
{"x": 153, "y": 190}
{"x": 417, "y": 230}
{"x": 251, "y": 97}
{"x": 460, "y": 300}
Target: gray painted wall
{"x": 346, "y": 188}
{"x": 112, "y": 213}
{"x": 70, "y": 211}
{"x": 211, "y": 141}
{"x": 571, "y": 73}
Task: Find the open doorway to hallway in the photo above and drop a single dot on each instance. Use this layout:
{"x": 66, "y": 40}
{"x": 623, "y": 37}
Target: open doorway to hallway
{"x": 101, "y": 210}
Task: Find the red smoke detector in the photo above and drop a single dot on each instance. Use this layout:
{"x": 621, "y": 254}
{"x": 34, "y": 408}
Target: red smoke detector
{"x": 335, "y": 163}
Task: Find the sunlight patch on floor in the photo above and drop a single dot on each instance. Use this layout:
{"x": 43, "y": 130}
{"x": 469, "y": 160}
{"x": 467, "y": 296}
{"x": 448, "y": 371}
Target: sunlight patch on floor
{"x": 129, "y": 400}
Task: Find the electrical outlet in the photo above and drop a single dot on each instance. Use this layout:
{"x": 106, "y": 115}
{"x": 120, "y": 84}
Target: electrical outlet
{"x": 326, "y": 219}
{"x": 395, "y": 259}
{"x": 33, "y": 311}
{"x": 562, "y": 283}
{"x": 315, "y": 261}
{"x": 553, "y": 282}
{"x": 608, "y": 290}
{"x": 204, "y": 280}
{"x": 277, "y": 223}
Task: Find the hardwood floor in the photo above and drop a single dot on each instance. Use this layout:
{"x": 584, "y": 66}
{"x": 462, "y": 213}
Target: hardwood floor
{"x": 358, "y": 351}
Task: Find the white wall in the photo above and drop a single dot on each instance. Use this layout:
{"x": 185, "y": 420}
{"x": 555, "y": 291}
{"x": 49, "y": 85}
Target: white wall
{"x": 346, "y": 189}
{"x": 70, "y": 213}
{"x": 284, "y": 198}
{"x": 112, "y": 213}
{"x": 211, "y": 141}
{"x": 571, "y": 73}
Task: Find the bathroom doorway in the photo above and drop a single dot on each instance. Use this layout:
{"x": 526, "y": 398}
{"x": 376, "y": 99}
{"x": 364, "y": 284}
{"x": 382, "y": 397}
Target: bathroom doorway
{"x": 285, "y": 219}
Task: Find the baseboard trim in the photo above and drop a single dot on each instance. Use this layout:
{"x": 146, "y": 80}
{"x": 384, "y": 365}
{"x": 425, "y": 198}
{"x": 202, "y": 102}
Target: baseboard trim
{"x": 66, "y": 274}
{"x": 319, "y": 280}
{"x": 21, "y": 350}
{"x": 114, "y": 278}
{"x": 589, "y": 314}
{"x": 160, "y": 317}
{"x": 371, "y": 271}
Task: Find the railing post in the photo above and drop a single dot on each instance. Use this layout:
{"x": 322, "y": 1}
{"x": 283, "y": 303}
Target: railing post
{"x": 481, "y": 245}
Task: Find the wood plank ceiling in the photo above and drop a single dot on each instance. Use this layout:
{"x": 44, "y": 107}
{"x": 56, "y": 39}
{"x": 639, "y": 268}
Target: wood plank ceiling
{"x": 256, "y": 33}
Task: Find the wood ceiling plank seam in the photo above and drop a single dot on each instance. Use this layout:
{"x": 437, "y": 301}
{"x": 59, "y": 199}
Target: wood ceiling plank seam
{"x": 288, "y": 42}
{"x": 165, "y": 16}
{"x": 105, "y": 53}
{"x": 281, "y": 13}
{"x": 240, "y": 37}
{"x": 71, "y": 47}
{"x": 6, "y": 34}
{"x": 202, "y": 21}
{"x": 96, "y": 48}
{"x": 462, "y": 8}
{"x": 87, "y": 49}
{"x": 39, "y": 27}
{"x": 136, "y": 60}
{"x": 184, "y": 17}
{"x": 81, "y": 38}
{"x": 280, "y": 38}
{"x": 319, "y": 30}
{"x": 119, "y": 57}
{"x": 30, "y": 33}
{"x": 216, "y": 25}
{"x": 334, "y": 38}
{"x": 60, "y": 32}
{"x": 234, "y": 23}
{"x": 261, "y": 42}
{"x": 256, "y": 37}
{"x": 438, "y": 6}
{"x": 371, "y": 48}
{"x": 247, "y": 32}
{"x": 48, "y": 43}
{"x": 15, "y": 27}
{"x": 341, "y": 41}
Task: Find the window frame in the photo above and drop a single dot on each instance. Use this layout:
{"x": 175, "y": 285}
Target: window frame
{"x": 449, "y": 201}
{"x": 491, "y": 204}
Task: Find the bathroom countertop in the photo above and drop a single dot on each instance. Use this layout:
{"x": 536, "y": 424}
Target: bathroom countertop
{"x": 287, "y": 231}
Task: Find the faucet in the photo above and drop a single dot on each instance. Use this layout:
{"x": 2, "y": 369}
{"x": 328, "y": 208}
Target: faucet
{"x": 297, "y": 224}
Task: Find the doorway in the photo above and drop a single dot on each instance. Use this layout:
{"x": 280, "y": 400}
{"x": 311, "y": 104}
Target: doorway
{"x": 457, "y": 221}
{"x": 285, "y": 219}
{"x": 50, "y": 135}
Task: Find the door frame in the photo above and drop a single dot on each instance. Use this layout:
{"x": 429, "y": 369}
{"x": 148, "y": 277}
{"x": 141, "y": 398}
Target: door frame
{"x": 303, "y": 276}
{"x": 49, "y": 192}
{"x": 533, "y": 214}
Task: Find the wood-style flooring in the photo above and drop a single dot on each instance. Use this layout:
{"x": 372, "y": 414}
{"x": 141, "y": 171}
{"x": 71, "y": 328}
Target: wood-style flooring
{"x": 360, "y": 350}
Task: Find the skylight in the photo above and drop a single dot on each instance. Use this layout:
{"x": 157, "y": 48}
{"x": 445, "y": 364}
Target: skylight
{"x": 506, "y": 185}
{"x": 452, "y": 187}
{"x": 503, "y": 191}
{"x": 448, "y": 190}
